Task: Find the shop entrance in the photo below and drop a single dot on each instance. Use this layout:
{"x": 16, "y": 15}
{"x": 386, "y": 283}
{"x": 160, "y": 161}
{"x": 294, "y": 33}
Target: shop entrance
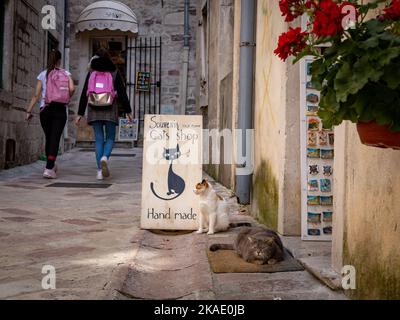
{"x": 117, "y": 49}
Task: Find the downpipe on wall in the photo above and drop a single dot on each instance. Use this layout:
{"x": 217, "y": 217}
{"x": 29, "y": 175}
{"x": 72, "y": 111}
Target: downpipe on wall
{"x": 246, "y": 89}
{"x": 185, "y": 60}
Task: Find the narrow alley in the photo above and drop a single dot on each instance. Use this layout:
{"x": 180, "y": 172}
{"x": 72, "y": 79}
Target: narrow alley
{"x": 92, "y": 238}
{"x": 253, "y": 148}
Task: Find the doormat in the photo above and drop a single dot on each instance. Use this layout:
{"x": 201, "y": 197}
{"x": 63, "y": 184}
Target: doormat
{"x": 79, "y": 185}
{"x": 227, "y": 261}
{"x": 124, "y": 155}
{"x": 170, "y": 232}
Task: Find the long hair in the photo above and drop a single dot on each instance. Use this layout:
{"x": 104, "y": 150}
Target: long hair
{"x": 54, "y": 57}
{"x": 103, "y": 53}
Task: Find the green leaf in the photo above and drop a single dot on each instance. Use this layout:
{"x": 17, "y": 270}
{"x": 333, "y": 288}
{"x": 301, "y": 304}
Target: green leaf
{"x": 318, "y": 67}
{"x": 388, "y": 55}
{"x": 328, "y": 100}
{"x": 372, "y": 42}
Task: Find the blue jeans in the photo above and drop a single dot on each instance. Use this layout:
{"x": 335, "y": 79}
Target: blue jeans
{"x": 104, "y": 147}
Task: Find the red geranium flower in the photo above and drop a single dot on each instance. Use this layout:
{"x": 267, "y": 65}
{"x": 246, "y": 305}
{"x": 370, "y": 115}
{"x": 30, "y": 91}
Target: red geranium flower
{"x": 291, "y": 43}
{"x": 393, "y": 11}
{"x": 328, "y": 19}
{"x": 291, "y": 9}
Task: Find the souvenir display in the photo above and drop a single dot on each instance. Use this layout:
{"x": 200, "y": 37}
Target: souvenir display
{"x": 326, "y": 185}
{"x": 313, "y": 170}
{"x": 327, "y": 154}
{"x": 313, "y": 123}
{"x": 312, "y": 139}
{"x": 312, "y": 110}
{"x": 314, "y": 153}
{"x": 313, "y": 185}
{"x": 317, "y": 160}
{"x": 328, "y": 171}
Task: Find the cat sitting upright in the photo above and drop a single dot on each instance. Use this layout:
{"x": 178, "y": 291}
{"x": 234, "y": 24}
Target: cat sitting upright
{"x": 213, "y": 209}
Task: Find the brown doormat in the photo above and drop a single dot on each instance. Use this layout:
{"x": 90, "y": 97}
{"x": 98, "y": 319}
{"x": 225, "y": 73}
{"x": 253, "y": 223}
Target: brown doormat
{"x": 227, "y": 261}
{"x": 171, "y": 232}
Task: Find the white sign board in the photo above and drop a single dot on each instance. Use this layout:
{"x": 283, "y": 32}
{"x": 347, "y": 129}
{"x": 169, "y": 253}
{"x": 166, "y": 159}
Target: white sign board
{"x": 172, "y": 166}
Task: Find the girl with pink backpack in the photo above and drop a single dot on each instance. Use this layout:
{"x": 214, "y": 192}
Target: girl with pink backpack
{"x": 104, "y": 91}
{"x": 54, "y": 89}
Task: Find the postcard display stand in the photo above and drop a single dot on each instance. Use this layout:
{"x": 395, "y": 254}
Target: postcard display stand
{"x": 317, "y": 153}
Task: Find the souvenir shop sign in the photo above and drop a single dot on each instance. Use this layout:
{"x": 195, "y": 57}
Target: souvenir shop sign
{"x": 143, "y": 81}
{"x": 128, "y": 131}
{"x": 172, "y": 165}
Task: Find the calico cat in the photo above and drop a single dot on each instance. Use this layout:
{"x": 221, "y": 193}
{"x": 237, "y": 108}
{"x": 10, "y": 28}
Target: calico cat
{"x": 256, "y": 245}
{"x": 213, "y": 210}
{"x": 176, "y": 185}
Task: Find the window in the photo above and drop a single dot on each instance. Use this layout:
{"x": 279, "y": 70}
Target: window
{"x": 52, "y": 43}
{"x": 2, "y": 9}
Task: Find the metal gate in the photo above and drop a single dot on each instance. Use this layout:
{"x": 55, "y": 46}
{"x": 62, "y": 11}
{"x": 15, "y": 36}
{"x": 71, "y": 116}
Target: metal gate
{"x": 144, "y": 57}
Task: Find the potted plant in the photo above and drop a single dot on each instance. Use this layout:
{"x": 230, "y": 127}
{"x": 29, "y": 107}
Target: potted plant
{"x": 358, "y": 74}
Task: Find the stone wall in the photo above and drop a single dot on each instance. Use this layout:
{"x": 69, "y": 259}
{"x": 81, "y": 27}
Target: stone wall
{"x": 154, "y": 20}
{"x": 24, "y": 56}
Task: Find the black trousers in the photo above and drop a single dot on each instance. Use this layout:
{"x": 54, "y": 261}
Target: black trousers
{"x": 53, "y": 119}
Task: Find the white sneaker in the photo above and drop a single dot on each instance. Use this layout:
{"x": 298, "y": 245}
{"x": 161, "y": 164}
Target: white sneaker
{"x": 100, "y": 175}
{"x": 49, "y": 174}
{"x": 104, "y": 167}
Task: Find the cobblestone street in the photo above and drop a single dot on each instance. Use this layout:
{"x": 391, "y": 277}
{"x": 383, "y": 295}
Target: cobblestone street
{"x": 92, "y": 238}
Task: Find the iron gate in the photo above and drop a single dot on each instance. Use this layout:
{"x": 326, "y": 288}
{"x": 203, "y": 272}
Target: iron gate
{"x": 144, "y": 57}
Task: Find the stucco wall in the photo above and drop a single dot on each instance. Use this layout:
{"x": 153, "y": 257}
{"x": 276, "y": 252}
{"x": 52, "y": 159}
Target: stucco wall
{"x": 370, "y": 208}
{"x": 276, "y": 185}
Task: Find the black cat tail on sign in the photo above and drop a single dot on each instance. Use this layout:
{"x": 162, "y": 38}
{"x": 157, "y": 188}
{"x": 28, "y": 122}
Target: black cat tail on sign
{"x": 172, "y": 166}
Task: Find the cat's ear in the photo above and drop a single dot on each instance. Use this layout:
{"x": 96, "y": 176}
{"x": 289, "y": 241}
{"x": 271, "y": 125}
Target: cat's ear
{"x": 177, "y": 147}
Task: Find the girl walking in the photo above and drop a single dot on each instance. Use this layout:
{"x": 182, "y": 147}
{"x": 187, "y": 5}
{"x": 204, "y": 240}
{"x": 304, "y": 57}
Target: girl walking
{"x": 54, "y": 88}
{"x": 103, "y": 91}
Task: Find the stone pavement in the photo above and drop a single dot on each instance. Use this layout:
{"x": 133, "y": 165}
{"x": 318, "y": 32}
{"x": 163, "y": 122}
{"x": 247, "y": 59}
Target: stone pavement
{"x": 92, "y": 238}
{"x": 84, "y": 233}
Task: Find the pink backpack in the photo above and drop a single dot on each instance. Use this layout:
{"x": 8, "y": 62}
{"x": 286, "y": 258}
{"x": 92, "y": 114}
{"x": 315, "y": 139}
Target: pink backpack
{"x": 101, "y": 91}
{"x": 57, "y": 87}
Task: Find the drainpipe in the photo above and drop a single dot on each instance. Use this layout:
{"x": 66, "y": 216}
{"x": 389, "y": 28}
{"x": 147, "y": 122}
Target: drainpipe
{"x": 66, "y": 59}
{"x": 246, "y": 87}
{"x": 185, "y": 60}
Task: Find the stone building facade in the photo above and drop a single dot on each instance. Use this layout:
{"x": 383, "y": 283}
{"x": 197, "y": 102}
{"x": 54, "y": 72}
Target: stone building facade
{"x": 24, "y": 46}
{"x": 24, "y": 54}
{"x": 156, "y": 19}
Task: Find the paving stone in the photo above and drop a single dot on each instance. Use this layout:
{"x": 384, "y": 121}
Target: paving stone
{"x": 18, "y": 219}
{"x": 80, "y": 222}
{"x": 18, "y": 211}
{"x": 71, "y": 251}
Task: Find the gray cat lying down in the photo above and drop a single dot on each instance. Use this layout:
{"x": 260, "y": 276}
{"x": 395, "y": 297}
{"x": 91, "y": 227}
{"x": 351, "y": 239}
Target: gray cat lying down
{"x": 256, "y": 245}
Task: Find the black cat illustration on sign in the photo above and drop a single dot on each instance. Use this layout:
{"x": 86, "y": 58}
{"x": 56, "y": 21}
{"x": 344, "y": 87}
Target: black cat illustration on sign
{"x": 176, "y": 185}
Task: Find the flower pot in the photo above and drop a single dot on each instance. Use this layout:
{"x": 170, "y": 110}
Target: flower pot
{"x": 374, "y": 135}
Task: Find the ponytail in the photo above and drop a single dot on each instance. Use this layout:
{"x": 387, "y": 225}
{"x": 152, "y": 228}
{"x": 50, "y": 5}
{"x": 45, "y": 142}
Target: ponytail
{"x": 54, "y": 58}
